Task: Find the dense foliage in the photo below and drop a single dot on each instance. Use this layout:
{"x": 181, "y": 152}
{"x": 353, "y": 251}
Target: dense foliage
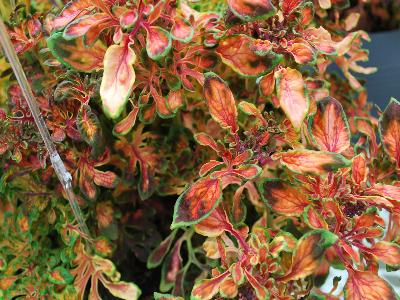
{"x": 214, "y": 152}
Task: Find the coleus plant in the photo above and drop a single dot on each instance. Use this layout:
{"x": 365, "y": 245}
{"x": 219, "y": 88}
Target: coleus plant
{"x": 280, "y": 171}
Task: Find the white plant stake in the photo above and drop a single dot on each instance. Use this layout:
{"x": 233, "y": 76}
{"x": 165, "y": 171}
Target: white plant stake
{"x": 63, "y": 175}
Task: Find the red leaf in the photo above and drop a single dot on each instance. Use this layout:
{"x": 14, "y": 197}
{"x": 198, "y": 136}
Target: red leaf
{"x": 288, "y": 6}
{"x": 365, "y": 285}
{"x": 291, "y": 94}
{"x": 146, "y": 182}
{"x": 207, "y": 167}
{"x": 107, "y": 179}
{"x": 283, "y": 198}
{"x": 329, "y": 127}
{"x": 261, "y": 291}
{"x": 157, "y": 255}
{"x": 158, "y": 42}
{"x": 220, "y": 102}
{"x": 82, "y": 25}
{"x": 389, "y": 127}
{"x": 249, "y": 10}
{"x": 118, "y": 78}
{"x": 308, "y": 253}
{"x": 306, "y": 13}
{"x": 71, "y": 10}
{"x": 205, "y": 140}
{"x": 309, "y": 161}
{"x": 243, "y": 157}
{"x": 247, "y": 172}
{"x": 128, "y": 19}
{"x": 197, "y": 202}
{"x": 181, "y": 30}
{"x": 314, "y": 219}
{"x": 127, "y": 123}
{"x": 172, "y": 267}
{"x": 235, "y": 52}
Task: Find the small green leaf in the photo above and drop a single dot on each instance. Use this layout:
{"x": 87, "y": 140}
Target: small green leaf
{"x": 60, "y": 275}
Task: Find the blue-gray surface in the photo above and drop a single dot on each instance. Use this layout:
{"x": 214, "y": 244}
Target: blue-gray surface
{"x": 384, "y": 54}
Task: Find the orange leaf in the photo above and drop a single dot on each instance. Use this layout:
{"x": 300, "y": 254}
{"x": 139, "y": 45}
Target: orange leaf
{"x": 127, "y": 123}
{"x": 388, "y": 253}
{"x": 365, "y": 126}
{"x": 283, "y": 198}
{"x": 175, "y": 100}
{"x": 314, "y": 219}
{"x": 310, "y": 161}
{"x": 359, "y": 169}
{"x": 308, "y": 253}
{"x": 389, "y": 127}
{"x": 214, "y": 225}
{"x": 220, "y": 102}
{"x": 197, "y": 203}
{"x": 74, "y": 54}
{"x": 235, "y": 52}
{"x": 354, "y": 255}
{"x": 329, "y": 127}
{"x": 251, "y": 110}
{"x": 207, "y": 288}
{"x": 302, "y": 52}
{"x": 249, "y": 10}
{"x": 267, "y": 84}
{"x": 247, "y": 171}
{"x": 118, "y": 78}
{"x": 365, "y": 285}
{"x": 291, "y": 95}
{"x": 205, "y": 140}
{"x": 321, "y": 39}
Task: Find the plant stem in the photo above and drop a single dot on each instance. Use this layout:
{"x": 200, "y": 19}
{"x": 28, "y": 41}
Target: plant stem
{"x": 63, "y": 175}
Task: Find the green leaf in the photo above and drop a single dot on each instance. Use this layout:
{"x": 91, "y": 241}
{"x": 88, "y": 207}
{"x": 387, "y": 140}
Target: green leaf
{"x": 60, "y": 275}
